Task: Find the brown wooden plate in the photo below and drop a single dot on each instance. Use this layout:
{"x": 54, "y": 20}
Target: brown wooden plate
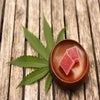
{"x": 79, "y": 70}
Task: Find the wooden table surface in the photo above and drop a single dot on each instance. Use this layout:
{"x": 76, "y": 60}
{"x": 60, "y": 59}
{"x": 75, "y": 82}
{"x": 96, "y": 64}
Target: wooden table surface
{"x": 82, "y": 21}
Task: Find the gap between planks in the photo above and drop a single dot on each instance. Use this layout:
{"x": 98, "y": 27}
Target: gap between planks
{"x": 2, "y": 9}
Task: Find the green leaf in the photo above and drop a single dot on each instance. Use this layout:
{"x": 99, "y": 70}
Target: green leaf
{"x": 61, "y": 35}
{"x": 34, "y": 76}
{"x": 48, "y": 34}
{"x": 36, "y": 44}
{"x": 29, "y": 61}
{"x": 48, "y": 82}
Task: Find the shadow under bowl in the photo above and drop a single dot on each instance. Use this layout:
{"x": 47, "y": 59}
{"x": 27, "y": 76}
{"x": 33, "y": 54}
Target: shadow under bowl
{"x": 79, "y": 71}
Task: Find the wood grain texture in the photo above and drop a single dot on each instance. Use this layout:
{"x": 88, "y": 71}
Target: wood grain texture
{"x": 94, "y": 12}
{"x": 70, "y": 19}
{"x": 99, "y": 3}
{"x": 86, "y": 41}
{"x": 58, "y": 24}
{"x": 45, "y": 10}
{"x": 1, "y": 14}
{"x": 82, "y": 20}
{"x": 72, "y": 33}
{"x": 17, "y": 50}
{"x": 6, "y": 45}
{"x": 31, "y": 91}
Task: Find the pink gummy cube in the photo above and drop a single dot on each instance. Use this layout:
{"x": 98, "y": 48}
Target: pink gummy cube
{"x": 66, "y": 63}
{"x": 73, "y": 53}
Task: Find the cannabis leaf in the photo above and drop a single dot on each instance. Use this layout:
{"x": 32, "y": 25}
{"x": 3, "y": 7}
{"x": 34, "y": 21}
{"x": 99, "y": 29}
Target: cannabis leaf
{"x": 48, "y": 34}
{"x": 61, "y": 35}
{"x": 29, "y": 61}
{"x": 40, "y": 64}
{"x": 48, "y": 82}
{"x": 36, "y": 44}
{"x": 34, "y": 76}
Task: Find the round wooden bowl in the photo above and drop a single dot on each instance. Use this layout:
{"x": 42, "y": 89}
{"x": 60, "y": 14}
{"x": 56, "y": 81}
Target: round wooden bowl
{"x": 79, "y": 71}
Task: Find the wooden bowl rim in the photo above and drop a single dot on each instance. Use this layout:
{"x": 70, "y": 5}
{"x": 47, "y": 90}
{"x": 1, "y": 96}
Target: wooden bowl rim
{"x": 51, "y": 64}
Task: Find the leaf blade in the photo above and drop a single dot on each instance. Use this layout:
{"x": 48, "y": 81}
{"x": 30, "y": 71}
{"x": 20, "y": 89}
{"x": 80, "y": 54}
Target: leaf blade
{"x": 48, "y": 34}
{"x": 29, "y": 61}
{"x": 48, "y": 82}
{"x": 34, "y": 76}
{"x": 61, "y": 35}
{"x": 36, "y": 43}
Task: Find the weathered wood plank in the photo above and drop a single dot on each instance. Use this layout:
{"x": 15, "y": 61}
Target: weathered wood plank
{"x": 1, "y": 15}
{"x": 45, "y": 10}
{"x": 7, "y": 38}
{"x": 17, "y": 50}
{"x": 70, "y": 20}
{"x": 72, "y": 33}
{"x": 85, "y": 39}
{"x": 99, "y": 3}
{"x": 94, "y": 12}
{"x": 58, "y": 23}
{"x": 31, "y": 91}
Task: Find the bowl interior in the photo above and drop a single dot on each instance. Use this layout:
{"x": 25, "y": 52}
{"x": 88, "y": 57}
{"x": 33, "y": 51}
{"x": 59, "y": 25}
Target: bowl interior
{"x": 78, "y": 71}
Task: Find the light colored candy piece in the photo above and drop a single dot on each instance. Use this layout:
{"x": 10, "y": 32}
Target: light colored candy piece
{"x": 73, "y": 53}
{"x": 66, "y": 63}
